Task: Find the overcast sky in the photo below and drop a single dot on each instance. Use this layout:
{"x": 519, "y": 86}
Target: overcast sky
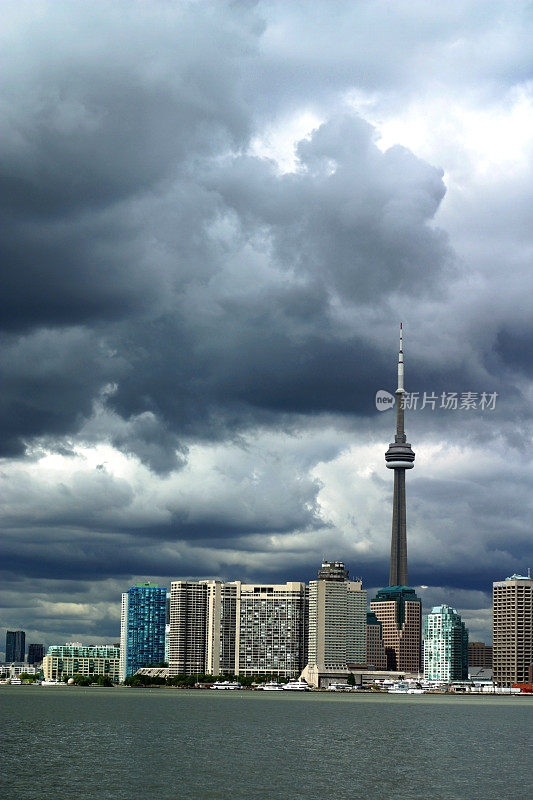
{"x": 215, "y": 216}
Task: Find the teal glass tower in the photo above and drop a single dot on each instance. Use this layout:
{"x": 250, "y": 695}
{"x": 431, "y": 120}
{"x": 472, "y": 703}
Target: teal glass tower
{"x": 142, "y": 628}
{"x": 445, "y": 645}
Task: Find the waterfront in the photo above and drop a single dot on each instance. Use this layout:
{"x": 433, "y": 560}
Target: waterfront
{"x": 129, "y": 744}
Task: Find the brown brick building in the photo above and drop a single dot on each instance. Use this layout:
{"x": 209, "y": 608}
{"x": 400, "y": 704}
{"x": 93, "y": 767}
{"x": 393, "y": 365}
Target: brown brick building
{"x": 400, "y": 612}
{"x": 512, "y": 621}
{"x": 375, "y": 647}
{"x": 479, "y": 655}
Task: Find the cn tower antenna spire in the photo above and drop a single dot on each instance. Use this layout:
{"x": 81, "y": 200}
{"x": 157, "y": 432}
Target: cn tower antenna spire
{"x": 400, "y": 362}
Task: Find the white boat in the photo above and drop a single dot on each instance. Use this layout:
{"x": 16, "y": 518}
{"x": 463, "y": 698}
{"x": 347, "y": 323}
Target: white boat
{"x": 299, "y": 685}
{"x": 272, "y": 686}
{"x": 407, "y": 687}
{"x": 340, "y": 687}
{"x": 226, "y": 685}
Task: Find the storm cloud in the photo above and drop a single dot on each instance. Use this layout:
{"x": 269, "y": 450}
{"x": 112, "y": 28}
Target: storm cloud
{"x": 216, "y": 214}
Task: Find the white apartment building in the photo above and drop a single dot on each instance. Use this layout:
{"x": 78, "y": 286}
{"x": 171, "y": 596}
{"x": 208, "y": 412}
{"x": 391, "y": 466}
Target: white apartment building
{"x": 221, "y": 628}
{"x": 271, "y": 629}
{"x": 337, "y": 624}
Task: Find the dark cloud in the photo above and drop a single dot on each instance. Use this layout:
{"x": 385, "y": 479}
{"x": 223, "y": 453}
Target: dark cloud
{"x": 210, "y": 331}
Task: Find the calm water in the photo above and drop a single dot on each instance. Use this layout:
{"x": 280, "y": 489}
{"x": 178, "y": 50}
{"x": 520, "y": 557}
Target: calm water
{"x": 130, "y": 744}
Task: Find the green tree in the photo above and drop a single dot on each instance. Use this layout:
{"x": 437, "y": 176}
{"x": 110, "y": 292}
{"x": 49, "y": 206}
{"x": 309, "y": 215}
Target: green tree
{"x": 351, "y": 679}
{"x": 27, "y": 678}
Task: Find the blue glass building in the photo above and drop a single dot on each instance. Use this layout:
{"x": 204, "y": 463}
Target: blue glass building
{"x": 142, "y": 628}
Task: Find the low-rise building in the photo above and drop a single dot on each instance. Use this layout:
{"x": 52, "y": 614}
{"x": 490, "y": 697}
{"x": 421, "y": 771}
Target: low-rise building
{"x": 16, "y": 668}
{"x": 76, "y": 659}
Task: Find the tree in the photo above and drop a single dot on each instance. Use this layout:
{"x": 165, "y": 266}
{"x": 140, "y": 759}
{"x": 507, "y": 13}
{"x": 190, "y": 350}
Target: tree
{"x": 351, "y": 679}
{"x": 27, "y": 678}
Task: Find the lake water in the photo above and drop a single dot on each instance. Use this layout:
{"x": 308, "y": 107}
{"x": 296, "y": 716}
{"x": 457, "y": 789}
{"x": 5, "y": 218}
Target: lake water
{"x": 131, "y": 744}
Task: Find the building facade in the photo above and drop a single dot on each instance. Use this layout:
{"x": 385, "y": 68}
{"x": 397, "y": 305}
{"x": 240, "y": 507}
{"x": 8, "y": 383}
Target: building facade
{"x": 512, "y": 621}
{"x": 221, "y": 627}
{"x": 337, "y": 620}
{"x": 375, "y": 647}
{"x": 15, "y": 646}
{"x": 142, "y": 628}
{"x": 271, "y": 629}
{"x": 35, "y": 653}
{"x": 445, "y": 645}
{"x": 480, "y": 655}
{"x": 62, "y": 661}
{"x": 400, "y": 612}
{"x": 188, "y": 633}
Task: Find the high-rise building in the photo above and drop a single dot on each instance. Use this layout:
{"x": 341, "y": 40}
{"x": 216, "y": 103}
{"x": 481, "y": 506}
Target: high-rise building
{"x": 400, "y": 612}
{"x": 479, "y": 655}
{"x": 271, "y": 629}
{"x": 73, "y": 658}
{"x": 512, "y": 622}
{"x": 399, "y": 457}
{"x": 15, "y": 646}
{"x": 221, "y": 627}
{"x": 142, "y": 628}
{"x": 375, "y": 647}
{"x": 187, "y": 637}
{"x": 35, "y": 653}
{"x": 445, "y": 645}
{"x": 337, "y": 620}
{"x": 167, "y": 626}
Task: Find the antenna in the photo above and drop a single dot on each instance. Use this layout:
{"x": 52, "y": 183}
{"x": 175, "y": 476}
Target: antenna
{"x": 400, "y": 362}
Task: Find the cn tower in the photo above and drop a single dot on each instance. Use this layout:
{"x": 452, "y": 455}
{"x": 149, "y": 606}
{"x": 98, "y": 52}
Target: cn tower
{"x": 399, "y": 457}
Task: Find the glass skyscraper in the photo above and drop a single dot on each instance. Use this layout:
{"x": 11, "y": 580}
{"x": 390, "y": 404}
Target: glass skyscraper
{"x": 445, "y": 645}
{"x": 15, "y": 645}
{"x": 142, "y": 628}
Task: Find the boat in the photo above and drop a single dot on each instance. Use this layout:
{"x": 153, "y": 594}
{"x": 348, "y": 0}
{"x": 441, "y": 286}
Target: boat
{"x": 406, "y": 687}
{"x": 272, "y": 686}
{"x": 226, "y": 685}
{"x": 340, "y": 687}
{"x": 299, "y": 685}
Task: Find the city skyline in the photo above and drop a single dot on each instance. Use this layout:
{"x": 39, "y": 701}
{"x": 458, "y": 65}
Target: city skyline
{"x": 203, "y": 283}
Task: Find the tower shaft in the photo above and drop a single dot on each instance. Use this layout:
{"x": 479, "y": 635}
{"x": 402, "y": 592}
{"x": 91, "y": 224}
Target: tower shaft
{"x": 398, "y": 548}
{"x": 399, "y": 457}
